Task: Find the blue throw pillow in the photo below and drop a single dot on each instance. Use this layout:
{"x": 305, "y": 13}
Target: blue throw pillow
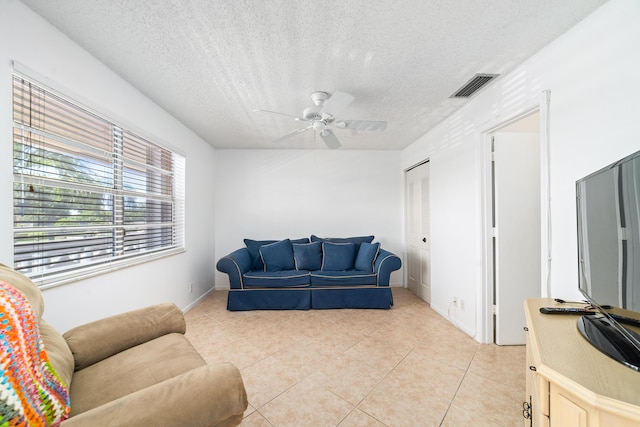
{"x": 355, "y": 240}
{"x": 366, "y": 256}
{"x": 253, "y": 246}
{"x": 338, "y": 256}
{"x": 277, "y": 256}
{"x": 307, "y": 256}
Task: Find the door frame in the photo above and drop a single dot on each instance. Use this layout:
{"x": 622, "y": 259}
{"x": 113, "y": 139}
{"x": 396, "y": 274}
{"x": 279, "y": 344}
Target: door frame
{"x": 485, "y": 308}
{"x": 405, "y": 209}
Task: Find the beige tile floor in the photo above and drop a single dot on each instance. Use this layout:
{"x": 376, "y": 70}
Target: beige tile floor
{"x": 407, "y": 366}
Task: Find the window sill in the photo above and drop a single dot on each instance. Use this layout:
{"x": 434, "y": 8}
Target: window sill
{"x": 65, "y": 278}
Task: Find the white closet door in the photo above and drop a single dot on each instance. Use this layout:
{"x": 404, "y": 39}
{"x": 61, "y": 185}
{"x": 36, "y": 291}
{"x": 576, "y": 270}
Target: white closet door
{"x": 418, "y": 234}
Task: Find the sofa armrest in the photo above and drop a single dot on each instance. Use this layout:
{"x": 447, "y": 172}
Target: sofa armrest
{"x": 235, "y": 265}
{"x": 95, "y": 341}
{"x": 386, "y": 262}
{"x": 212, "y": 395}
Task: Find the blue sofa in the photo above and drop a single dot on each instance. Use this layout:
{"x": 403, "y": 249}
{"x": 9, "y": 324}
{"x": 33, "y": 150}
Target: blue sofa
{"x": 307, "y": 273}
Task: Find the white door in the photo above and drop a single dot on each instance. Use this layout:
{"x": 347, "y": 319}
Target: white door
{"x": 418, "y": 235}
{"x": 517, "y": 231}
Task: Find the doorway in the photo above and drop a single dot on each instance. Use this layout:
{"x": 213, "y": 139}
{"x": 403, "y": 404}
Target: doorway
{"x": 515, "y": 224}
{"x": 418, "y": 230}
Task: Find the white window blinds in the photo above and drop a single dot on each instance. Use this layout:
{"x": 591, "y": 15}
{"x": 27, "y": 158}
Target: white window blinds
{"x": 88, "y": 194}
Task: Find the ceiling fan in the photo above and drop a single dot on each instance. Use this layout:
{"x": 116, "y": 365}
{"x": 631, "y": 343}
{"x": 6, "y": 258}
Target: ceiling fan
{"x": 322, "y": 115}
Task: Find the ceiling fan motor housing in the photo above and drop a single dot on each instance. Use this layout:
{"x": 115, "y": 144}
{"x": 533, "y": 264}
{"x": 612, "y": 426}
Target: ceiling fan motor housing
{"x": 312, "y": 113}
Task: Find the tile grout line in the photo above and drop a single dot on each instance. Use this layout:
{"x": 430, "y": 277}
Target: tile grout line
{"x": 381, "y": 330}
{"x": 378, "y": 384}
{"x": 466, "y": 371}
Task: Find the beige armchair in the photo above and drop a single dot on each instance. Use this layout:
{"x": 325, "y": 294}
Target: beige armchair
{"x": 137, "y": 369}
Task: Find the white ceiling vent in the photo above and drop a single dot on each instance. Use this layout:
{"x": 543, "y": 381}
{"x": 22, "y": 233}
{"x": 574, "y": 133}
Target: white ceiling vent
{"x": 476, "y": 83}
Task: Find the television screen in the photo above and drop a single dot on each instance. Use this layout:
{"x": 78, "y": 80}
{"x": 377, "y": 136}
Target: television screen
{"x": 608, "y": 207}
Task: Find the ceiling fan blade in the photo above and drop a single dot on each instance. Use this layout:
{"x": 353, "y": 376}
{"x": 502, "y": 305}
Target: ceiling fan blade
{"x": 366, "y": 125}
{"x": 293, "y": 133}
{"x": 281, "y": 114}
{"x": 337, "y": 102}
{"x": 330, "y": 139}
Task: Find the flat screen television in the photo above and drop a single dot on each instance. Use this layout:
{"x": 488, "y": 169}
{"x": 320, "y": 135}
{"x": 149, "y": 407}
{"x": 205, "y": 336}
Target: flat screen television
{"x": 608, "y": 214}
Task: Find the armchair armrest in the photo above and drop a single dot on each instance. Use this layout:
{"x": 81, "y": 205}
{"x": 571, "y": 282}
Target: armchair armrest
{"x": 212, "y": 395}
{"x": 386, "y": 262}
{"x": 103, "y": 338}
{"x": 235, "y": 265}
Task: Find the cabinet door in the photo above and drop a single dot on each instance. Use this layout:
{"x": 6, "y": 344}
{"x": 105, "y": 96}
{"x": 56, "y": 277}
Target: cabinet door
{"x": 531, "y": 398}
{"x": 541, "y": 417}
{"x": 610, "y": 419}
{"x": 537, "y": 391}
{"x": 565, "y": 411}
{"x": 531, "y": 390}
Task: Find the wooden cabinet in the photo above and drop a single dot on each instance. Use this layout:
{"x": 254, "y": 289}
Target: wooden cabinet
{"x": 569, "y": 382}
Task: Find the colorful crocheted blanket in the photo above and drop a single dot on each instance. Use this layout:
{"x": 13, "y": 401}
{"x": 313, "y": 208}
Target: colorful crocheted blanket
{"x": 31, "y": 393}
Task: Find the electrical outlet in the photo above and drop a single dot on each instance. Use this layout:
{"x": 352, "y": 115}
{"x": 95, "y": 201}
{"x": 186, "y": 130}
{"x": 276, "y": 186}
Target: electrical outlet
{"x": 190, "y": 287}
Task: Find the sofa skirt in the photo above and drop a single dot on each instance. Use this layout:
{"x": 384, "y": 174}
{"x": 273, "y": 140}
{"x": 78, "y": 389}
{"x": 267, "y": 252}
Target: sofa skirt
{"x": 269, "y": 299}
{"x": 306, "y": 298}
{"x": 375, "y": 297}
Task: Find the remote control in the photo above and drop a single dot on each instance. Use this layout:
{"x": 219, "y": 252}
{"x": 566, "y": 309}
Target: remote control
{"x": 566, "y": 310}
{"x": 584, "y": 311}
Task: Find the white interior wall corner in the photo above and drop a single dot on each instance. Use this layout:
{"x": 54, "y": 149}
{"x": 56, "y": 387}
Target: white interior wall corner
{"x": 53, "y": 56}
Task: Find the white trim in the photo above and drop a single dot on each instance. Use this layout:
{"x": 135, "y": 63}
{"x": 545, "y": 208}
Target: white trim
{"x": 484, "y": 315}
{"x": 108, "y": 267}
{"x": 380, "y": 268}
{"x": 545, "y": 194}
{"x": 197, "y": 301}
{"x": 541, "y": 104}
{"x": 249, "y": 275}
{"x": 341, "y": 276}
{"x": 237, "y": 267}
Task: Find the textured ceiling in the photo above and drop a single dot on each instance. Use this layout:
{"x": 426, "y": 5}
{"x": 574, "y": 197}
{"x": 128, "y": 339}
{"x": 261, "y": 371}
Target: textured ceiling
{"x": 210, "y": 63}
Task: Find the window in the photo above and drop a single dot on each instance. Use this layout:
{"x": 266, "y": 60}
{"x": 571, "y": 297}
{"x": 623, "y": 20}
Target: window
{"x": 88, "y": 195}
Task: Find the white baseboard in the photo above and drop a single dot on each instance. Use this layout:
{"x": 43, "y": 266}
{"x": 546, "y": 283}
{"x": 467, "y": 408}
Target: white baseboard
{"x": 197, "y": 301}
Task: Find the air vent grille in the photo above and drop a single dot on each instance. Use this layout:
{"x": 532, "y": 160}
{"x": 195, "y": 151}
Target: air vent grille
{"x": 476, "y": 83}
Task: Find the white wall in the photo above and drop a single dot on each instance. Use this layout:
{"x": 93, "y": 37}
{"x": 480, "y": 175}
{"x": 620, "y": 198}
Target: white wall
{"x": 28, "y": 39}
{"x": 591, "y": 72}
{"x": 277, "y": 194}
